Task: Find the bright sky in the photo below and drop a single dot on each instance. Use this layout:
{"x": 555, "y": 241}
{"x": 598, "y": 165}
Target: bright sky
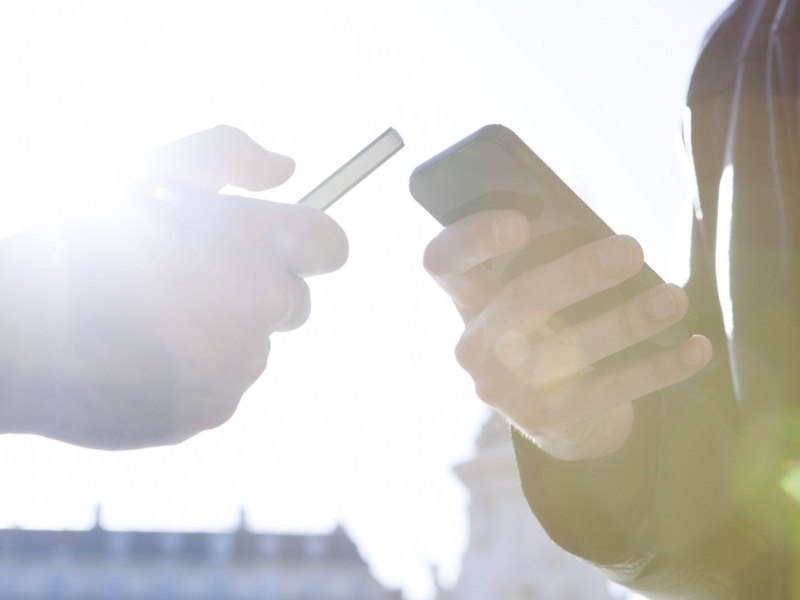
{"x": 362, "y": 412}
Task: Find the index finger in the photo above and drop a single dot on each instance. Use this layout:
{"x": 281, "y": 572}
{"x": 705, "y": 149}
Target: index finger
{"x": 304, "y": 240}
{"x": 455, "y": 258}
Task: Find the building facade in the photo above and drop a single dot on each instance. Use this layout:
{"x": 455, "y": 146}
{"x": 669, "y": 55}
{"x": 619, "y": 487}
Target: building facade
{"x": 99, "y": 564}
{"x": 509, "y": 556}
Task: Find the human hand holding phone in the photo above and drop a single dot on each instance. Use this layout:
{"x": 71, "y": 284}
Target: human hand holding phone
{"x": 567, "y": 378}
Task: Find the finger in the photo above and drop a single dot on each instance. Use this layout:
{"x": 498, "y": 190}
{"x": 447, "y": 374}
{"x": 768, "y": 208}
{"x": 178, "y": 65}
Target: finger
{"x": 471, "y": 291}
{"x": 473, "y": 240}
{"x": 209, "y": 160}
{"x": 455, "y": 257}
{"x": 261, "y": 297}
{"x": 599, "y": 391}
{"x": 287, "y": 304}
{"x": 530, "y": 299}
{"x": 307, "y": 240}
{"x": 301, "y": 239}
{"x": 574, "y": 349}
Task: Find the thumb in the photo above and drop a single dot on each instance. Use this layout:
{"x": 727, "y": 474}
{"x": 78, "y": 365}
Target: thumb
{"x": 209, "y": 160}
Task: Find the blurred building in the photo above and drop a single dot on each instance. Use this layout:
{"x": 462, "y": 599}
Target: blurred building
{"x": 99, "y": 564}
{"x": 509, "y": 556}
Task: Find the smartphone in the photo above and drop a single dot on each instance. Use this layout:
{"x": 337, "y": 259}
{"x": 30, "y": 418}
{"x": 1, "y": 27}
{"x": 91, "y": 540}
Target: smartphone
{"x": 493, "y": 168}
{"x": 354, "y": 170}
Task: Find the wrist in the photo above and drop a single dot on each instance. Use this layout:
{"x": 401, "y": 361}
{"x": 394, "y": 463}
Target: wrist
{"x": 591, "y": 439}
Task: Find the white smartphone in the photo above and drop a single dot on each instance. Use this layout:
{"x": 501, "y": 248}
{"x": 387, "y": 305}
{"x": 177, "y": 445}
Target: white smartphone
{"x": 493, "y": 168}
{"x": 354, "y": 170}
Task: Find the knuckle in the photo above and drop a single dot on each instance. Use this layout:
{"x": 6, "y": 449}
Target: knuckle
{"x": 615, "y": 388}
{"x": 631, "y": 322}
{"x": 523, "y": 305}
{"x": 517, "y": 298}
{"x": 465, "y": 351}
{"x": 583, "y": 269}
{"x": 217, "y": 411}
{"x": 479, "y": 227}
{"x": 431, "y": 258}
{"x": 228, "y": 134}
{"x": 581, "y": 262}
{"x": 225, "y": 409}
{"x": 537, "y": 416}
{"x": 661, "y": 371}
{"x": 489, "y": 393}
{"x": 256, "y": 362}
{"x": 651, "y": 312}
{"x": 300, "y": 304}
{"x": 289, "y": 305}
{"x": 503, "y": 394}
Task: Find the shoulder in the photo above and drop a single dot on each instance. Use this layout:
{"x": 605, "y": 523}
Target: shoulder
{"x": 722, "y": 47}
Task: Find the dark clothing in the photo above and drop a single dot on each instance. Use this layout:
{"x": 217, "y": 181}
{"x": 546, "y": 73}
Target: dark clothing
{"x": 700, "y": 502}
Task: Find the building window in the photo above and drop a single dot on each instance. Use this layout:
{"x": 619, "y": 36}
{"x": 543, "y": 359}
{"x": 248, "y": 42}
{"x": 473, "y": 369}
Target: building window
{"x": 357, "y": 591}
{"x": 167, "y": 586}
{"x": 171, "y": 543}
{"x": 314, "y": 547}
{"x": 314, "y": 589}
{"x": 118, "y": 543}
{"x": 219, "y": 586}
{"x": 114, "y": 586}
{"x": 57, "y": 586}
{"x": 267, "y": 587}
{"x": 221, "y": 546}
{"x": 269, "y": 545}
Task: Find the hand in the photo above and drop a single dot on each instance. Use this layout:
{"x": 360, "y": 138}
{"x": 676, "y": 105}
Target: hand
{"x": 545, "y": 383}
{"x": 144, "y": 323}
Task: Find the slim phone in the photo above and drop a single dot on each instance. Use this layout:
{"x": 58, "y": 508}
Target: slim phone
{"x": 493, "y": 168}
{"x": 354, "y": 170}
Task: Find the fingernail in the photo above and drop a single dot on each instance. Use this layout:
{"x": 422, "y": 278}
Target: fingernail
{"x": 661, "y": 305}
{"x": 616, "y": 255}
{"x": 508, "y": 229}
{"x": 696, "y": 352}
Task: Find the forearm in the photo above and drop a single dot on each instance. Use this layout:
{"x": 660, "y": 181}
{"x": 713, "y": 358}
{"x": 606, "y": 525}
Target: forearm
{"x": 593, "y": 509}
{"x": 657, "y": 515}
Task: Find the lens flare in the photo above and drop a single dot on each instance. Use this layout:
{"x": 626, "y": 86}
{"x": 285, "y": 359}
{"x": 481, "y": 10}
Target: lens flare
{"x": 161, "y": 192}
{"x": 790, "y": 481}
{"x": 512, "y": 349}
